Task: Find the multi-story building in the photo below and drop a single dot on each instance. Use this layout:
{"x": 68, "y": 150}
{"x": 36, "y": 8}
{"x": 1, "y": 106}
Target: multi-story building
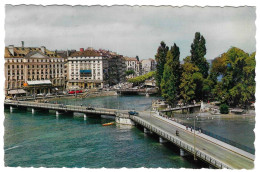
{"x": 116, "y": 67}
{"x": 133, "y": 64}
{"x": 32, "y": 70}
{"x": 87, "y": 69}
{"x": 148, "y": 65}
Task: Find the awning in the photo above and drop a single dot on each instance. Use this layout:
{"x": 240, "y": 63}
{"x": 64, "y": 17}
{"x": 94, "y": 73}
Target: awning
{"x": 18, "y": 91}
{"x": 85, "y": 71}
{"x": 39, "y": 82}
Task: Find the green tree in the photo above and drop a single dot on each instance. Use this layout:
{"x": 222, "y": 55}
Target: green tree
{"x": 189, "y": 75}
{"x": 198, "y": 51}
{"x": 237, "y": 86}
{"x": 160, "y": 58}
{"x": 129, "y": 72}
{"x": 171, "y": 76}
{"x": 137, "y": 58}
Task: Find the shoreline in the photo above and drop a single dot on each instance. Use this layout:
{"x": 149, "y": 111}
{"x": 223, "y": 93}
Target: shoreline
{"x": 81, "y": 96}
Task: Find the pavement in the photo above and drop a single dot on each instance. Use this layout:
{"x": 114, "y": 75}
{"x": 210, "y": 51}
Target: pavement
{"x": 229, "y": 155}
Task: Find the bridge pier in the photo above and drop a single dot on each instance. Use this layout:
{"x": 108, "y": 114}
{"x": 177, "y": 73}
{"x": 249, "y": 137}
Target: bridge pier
{"x": 183, "y": 152}
{"x": 11, "y": 109}
{"x": 162, "y": 140}
{"x": 57, "y": 114}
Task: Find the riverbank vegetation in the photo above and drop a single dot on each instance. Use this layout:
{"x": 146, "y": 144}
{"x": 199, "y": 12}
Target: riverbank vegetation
{"x": 230, "y": 79}
{"x": 142, "y": 78}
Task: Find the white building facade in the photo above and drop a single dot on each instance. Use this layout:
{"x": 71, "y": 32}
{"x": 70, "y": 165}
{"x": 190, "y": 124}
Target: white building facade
{"x": 87, "y": 69}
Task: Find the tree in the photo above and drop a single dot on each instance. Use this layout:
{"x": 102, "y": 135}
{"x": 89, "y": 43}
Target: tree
{"x": 160, "y": 58}
{"x": 129, "y": 72}
{"x": 237, "y": 86}
{"x": 198, "y": 51}
{"x": 189, "y": 75}
{"x": 137, "y": 58}
{"x": 171, "y": 76}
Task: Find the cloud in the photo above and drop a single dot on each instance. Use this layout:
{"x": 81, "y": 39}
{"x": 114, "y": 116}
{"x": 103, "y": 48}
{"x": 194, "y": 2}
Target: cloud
{"x": 131, "y": 31}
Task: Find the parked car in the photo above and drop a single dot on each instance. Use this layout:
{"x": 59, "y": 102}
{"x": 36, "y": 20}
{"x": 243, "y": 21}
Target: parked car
{"x": 133, "y": 113}
{"x": 90, "y": 108}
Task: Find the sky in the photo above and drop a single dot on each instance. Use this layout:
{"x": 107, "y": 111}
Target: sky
{"x": 131, "y": 31}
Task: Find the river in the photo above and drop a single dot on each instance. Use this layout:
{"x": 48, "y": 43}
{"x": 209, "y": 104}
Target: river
{"x": 42, "y": 140}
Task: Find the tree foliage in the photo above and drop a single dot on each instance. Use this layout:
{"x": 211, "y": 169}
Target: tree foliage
{"x": 171, "y": 75}
{"x": 142, "y": 78}
{"x": 237, "y": 87}
{"x": 189, "y": 75}
{"x": 129, "y": 72}
{"x": 198, "y": 51}
{"x": 223, "y": 109}
{"x": 160, "y": 58}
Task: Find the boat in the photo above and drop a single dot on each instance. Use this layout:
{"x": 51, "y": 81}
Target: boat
{"x": 107, "y": 124}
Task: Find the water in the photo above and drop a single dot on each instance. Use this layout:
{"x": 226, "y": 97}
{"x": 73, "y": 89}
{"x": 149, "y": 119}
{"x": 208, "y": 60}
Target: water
{"x": 42, "y": 140}
{"x": 113, "y": 102}
{"x": 239, "y": 129}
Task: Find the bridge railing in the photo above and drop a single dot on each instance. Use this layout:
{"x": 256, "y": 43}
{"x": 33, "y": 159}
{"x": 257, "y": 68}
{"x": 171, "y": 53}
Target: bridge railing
{"x": 233, "y": 143}
{"x": 189, "y": 148}
{"x": 225, "y": 140}
{"x": 63, "y": 108}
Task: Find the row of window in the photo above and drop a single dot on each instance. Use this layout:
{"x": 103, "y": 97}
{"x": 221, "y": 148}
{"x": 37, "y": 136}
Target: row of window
{"x": 85, "y": 57}
{"x": 36, "y": 66}
{"x": 87, "y": 62}
{"x": 35, "y": 60}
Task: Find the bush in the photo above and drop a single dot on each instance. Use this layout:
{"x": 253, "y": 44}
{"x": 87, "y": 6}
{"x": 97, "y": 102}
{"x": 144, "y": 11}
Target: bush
{"x": 224, "y": 109}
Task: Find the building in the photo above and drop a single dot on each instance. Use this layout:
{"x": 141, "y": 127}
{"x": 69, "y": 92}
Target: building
{"x": 148, "y": 65}
{"x": 133, "y": 64}
{"x": 32, "y": 70}
{"x": 116, "y": 67}
{"x": 87, "y": 69}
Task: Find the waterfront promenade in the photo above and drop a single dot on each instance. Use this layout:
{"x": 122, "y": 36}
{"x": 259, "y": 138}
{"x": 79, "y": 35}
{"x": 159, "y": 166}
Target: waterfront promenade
{"x": 214, "y": 152}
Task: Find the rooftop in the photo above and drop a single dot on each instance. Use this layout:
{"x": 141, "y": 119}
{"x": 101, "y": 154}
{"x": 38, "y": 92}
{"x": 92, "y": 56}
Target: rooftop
{"x": 21, "y": 52}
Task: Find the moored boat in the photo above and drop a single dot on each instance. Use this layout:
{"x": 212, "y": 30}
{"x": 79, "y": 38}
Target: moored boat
{"x": 107, "y": 124}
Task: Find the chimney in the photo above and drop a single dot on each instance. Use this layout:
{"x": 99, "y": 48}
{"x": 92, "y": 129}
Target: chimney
{"x": 11, "y": 49}
{"x": 43, "y": 49}
{"x": 67, "y": 53}
{"x": 22, "y": 44}
{"x": 81, "y": 49}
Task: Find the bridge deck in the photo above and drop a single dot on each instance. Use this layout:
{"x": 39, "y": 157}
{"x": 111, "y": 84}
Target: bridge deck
{"x": 180, "y": 108}
{"x": 67, "y": 108}
{"x": 221, "y": 154}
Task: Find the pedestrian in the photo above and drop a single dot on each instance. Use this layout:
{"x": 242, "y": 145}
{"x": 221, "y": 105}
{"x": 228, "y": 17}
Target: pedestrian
{"x": 190, "y": 128}
{"x": 186, "y": 127}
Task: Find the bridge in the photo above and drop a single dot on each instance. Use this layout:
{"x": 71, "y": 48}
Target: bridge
{"x": 190, "y": 108}
{"x": 61, "y": 109}
{"x": 215, "y": 152}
